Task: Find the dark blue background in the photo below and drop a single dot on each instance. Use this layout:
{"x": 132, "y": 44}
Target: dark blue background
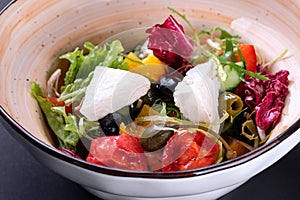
{"x": 23, "y": 178}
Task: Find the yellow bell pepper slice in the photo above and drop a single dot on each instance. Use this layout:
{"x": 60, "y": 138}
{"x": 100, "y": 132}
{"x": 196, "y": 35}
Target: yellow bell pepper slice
{"x": 152, "y": 68}
{"x": 133, "y": 61}
{"x": 151, "y": 59}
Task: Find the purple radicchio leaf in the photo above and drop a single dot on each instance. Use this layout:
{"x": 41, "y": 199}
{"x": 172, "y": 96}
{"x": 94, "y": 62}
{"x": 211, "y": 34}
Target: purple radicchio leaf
{"x": 269, "y": 110}
{"x": 265, "y": 97}
{"x": 169, "y": 43}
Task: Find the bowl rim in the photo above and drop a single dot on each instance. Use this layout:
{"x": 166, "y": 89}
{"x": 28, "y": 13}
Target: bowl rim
{"x": 7, "y": 5}
{"x": 51, "y": 151}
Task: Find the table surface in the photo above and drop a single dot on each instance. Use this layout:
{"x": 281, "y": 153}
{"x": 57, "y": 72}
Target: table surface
{"x": 22, "y": 177}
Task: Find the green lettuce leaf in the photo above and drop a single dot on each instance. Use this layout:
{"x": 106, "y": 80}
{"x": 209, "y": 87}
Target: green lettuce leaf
{"x": 64, "y": 127}
{"x": 109, "y": 55}
{"x": 74, "y": 92}
{"x": 76, "y": 59}
{"x": 82, "y": 66}
{"x": 89, "y": 129}
{"x": 77, "y": 79}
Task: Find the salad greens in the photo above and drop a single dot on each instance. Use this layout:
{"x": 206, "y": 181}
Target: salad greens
{"x": 173, "y": 63}
{"x": 64, "y": 127}
{"x": 81, "y": 68}
{"x": 77, "y": 78}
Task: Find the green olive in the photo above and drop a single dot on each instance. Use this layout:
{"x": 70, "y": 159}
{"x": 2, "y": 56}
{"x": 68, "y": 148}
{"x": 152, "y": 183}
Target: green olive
{"x": 155, "y": 137}
{"x": 234, "y": 104}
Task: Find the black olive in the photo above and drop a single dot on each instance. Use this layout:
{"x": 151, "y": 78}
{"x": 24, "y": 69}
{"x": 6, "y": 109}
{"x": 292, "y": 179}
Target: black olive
{"x": 166, "y": 86}
{"x": 155, "y": 137}
{"x": 135, "y": 109}
{"x": 110, "y": 123}
{"x": 150, "y": 96}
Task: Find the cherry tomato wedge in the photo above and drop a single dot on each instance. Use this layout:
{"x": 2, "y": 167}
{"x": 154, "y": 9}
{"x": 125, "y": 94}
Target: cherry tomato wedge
{"x": 55, "y": 102}
{"x": 189, "y": 150}
{"x": 122, "y": 152}
{"x": 249, "y": 54}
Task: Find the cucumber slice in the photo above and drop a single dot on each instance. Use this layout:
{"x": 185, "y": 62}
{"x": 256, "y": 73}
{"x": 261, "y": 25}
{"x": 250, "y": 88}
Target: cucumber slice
{"x": 233, "y": 78}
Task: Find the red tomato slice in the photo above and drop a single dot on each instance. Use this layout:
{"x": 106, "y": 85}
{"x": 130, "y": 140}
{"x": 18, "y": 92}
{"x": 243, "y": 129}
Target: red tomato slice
{"x": 249, "y": 54}
{"x": 55, "y": 102}
{"x": 189, "y": 151}
{"x": 122, "y": 151}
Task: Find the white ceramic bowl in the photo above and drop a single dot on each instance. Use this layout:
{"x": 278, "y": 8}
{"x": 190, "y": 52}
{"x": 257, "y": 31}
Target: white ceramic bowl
{"x": 35, "y": 32}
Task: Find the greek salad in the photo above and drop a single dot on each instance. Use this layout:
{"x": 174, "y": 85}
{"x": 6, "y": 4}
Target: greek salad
{"x": 176, "y": 102}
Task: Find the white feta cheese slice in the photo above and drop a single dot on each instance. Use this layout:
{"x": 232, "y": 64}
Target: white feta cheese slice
{"x": 110, "y": 90}
{"x": 197, "y": 95}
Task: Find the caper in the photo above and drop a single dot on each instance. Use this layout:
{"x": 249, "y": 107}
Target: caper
{"x": 155, "y": 137}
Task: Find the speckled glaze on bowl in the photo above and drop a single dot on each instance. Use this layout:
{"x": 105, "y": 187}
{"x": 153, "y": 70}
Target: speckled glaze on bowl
{"x": 35, "y": 32}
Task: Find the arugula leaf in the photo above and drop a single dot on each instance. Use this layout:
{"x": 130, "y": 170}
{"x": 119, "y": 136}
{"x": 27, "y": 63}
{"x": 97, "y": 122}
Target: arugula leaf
{"x": 226, "y": 35}
{"x": 241, "y": 70}
{"x": 229, "y": 51}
